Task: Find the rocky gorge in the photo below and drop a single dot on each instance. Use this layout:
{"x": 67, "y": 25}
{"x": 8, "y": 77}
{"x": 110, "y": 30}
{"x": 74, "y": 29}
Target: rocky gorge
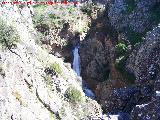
{"x": 119, "y": 58}
{"x": 112, "y": 44}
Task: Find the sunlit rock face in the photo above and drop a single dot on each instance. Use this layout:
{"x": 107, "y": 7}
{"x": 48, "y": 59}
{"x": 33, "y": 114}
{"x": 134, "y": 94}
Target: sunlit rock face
{"x": 27, "y": 93}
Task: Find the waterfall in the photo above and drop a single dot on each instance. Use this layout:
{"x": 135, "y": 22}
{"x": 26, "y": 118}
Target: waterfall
{"x": 86, "y": 90}
{"x": 76, "y": 68}
{"x": 76, "y": 61}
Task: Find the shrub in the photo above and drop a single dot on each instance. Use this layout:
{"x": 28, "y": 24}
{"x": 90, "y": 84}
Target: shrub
{"x": 43, "y": 28}
{"x": 74, "y": 95}
{"x": 56, "y": 68}
{"x": 121, "y": 49}
{"x": 8, "y": 35}
{"x": 53, "y": 16}
{"x": 38, "y": 19}
{"x": 92, "y": 9}
{"x": 122, "y": 54}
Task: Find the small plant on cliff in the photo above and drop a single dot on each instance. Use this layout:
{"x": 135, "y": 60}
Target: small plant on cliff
{"x": 122, "y": 55}
{"x": 74, "y": 95}
{"x": 56, "y": 68}
{"x": 8, "y": 35}
{"x": 121, "y": 49}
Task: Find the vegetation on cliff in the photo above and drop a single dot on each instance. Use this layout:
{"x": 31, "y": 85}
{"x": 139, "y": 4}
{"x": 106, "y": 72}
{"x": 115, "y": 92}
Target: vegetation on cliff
{"x": 9, "y": 36}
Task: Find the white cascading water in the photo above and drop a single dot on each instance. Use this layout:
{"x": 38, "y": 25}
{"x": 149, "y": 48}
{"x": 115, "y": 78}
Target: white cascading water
{"x": 76, "y": 68}
{"x": 87, "y": 91}
{"x": 76, "y": 61}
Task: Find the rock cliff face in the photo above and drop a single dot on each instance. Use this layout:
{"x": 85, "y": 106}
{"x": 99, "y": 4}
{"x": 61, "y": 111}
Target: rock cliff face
{"x": 34, "y": 84}
{"x": 137, "y": 15}
{"x": 134, "y": 25}
{"x": 95, "y": 51}
{"x": 145, "y": 65}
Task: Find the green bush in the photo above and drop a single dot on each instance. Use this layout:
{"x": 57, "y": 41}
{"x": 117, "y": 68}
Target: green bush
{"x": 38, "y": 19}
{"x": 8, "y": 35}
{"x": 53, "y": 16}
{"x": 74, "y": 95}
{"x": 122, "y": 55}
{"x": 121, "y": 49}
{"x": 56, "y": 68}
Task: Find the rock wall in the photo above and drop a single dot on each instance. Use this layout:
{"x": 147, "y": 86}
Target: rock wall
{"x": 123, "y": 21}
{"x": 133, "y": 14}
{"x": 28, "y": 90}
{"x": 145, "y": 65}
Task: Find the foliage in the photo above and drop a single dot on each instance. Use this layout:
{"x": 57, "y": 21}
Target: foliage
{"x": 56, "y": 68}
{"x": 87, "y": 9}
{"x": 122, "y": 55}
{"x": 53, "y": 116}
{"x": 74, "y": 95}
{"x": 53, "y": 16}
{"x": 8, "y": 35}
{"x": 121, "y": 49}
{"x": 38, "y": 19}
{"x": 44, "y": 20}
